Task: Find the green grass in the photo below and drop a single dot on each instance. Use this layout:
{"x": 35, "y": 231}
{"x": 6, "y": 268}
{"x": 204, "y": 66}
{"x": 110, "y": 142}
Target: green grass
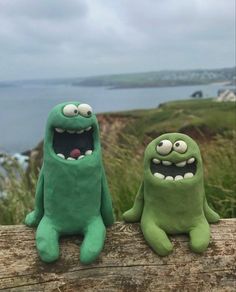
{"x": 123, "y": 164}
{"x": 220, "y": 168}
{"x": 18, "y": 190}
{"x": 211, "y": 124}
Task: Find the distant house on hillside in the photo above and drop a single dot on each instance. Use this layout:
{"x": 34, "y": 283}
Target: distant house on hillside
{"x": 226, "y": 95}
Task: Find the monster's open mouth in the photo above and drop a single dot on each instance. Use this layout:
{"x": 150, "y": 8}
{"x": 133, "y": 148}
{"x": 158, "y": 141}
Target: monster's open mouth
{"x": 73, "y": 144}
{"x": 173, "y": 171}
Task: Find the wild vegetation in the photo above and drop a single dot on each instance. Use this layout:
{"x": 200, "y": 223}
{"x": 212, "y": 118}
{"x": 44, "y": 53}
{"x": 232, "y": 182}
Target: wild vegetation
{"x": 124, "y": 137}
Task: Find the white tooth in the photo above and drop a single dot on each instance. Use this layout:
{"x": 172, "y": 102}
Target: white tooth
{"x": 59, "y": 130}
{"x": 156, "y": 161}
{"x": 178, "y": 177}
{"x": 80, "y": 131}
{"x": 165, "y": 162}
{"x": 71, "y": 131}
{"x": 191, "y": 160}
{"x": 88, "y": 152}
{"x": 81, "y": 156}
{"x": 188, "y": 175}
{"x": 169, "y": 177}
{"x": 181, "y": 164}
{"x": 89, "y": 128}
{"x": 70, "y": 158}
{"x": 61, "y": 155}
{"x": 159, "y": 175}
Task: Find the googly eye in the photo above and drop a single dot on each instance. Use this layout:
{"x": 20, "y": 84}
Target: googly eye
{"x": 85, "y": 110}
{"x": 164, "y": 147}
{"x": 70, "y": 110}
{"x": 180, "y": 146}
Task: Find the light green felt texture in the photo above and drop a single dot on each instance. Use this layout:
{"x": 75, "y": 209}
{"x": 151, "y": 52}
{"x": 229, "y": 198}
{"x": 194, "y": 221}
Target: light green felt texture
{"x": 172, "y": 207}
{"x": 72, "y": 197}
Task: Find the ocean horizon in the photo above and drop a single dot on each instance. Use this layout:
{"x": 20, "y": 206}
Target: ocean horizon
{"x": 24, "y": 109}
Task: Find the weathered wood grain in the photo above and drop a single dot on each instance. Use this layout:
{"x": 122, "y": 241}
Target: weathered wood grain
{"x": 126, "y": 263}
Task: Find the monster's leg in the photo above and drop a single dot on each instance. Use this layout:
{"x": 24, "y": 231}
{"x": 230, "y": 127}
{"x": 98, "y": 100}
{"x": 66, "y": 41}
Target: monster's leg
{"x": 34, "y": 217}
{"x": 106, "y": 204}
{"x": 211, "y": 216}
{"x": 156, "y": 237}
{"x": 93, "y": 241}
{"x": 47, "y": 241}
{"x": 135, "y": 213}
{"x": 200, "y": 237}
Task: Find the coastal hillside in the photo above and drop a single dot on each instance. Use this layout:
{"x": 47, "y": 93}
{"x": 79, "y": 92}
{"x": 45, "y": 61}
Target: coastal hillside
{"x": 161, "y": 78}
{"x": 124, "y": 137}
{"x": 166, "y": 78}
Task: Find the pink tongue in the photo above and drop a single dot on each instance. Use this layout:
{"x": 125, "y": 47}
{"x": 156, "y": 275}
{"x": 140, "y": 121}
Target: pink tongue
{"x": 75, "y": 153}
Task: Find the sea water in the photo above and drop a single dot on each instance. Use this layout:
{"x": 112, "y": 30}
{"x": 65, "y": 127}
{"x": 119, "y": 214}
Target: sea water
{"x": 24, "y": 109}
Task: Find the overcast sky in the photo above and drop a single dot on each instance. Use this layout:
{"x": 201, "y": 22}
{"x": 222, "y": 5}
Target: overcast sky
{"x": 69, "y": 38}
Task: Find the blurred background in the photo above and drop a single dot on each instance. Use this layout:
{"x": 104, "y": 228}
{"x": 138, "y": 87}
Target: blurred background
{"x": 146, "y": 67}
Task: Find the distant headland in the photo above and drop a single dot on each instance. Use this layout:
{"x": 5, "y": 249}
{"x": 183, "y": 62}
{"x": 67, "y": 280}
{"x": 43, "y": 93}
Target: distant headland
{"x": 165, "y": 78}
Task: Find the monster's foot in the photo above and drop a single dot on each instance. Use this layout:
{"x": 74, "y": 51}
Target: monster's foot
{"x": 47, "y": 241}
{"x": 93, "y": 241}
{"x": 156, "y": 238}
{"x": 32, "y": 219}
{"x": 200, "y": 237}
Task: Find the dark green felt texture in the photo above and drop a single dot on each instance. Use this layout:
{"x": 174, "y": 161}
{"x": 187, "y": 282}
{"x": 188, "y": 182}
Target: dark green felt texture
{"x": 72, "y": 197}
{"x": 172, "y": 207}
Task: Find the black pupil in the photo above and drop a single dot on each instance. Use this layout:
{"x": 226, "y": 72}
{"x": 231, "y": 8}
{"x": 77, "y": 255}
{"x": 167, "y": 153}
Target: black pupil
{"x": 160, "y": 144}
{"x": 89, "y": 113}
{"x": 75, "y": 111}
{"x": 177, "y": 144}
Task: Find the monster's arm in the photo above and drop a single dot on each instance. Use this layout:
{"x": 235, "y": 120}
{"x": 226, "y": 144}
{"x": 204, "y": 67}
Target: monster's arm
{"x": 135, "y": 213}
{"x": 34, "y": 217}
{"x": 106, "y": 203}
{"x": 211, "y": 216}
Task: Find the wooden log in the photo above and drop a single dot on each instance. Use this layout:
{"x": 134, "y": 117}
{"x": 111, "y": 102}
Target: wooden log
{"x": 126, "y": 263}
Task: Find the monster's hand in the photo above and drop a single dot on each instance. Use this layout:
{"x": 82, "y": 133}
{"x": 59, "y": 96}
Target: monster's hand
{"x": 106, "y": 210}
{"x": 131, "y": 215}
{"x": 211, "y": 216}
{"x": 106, "y": 203}
{"x": 135, "y": 213}
{"x": 33, "y": 218}
{"x": 109, "y": 219}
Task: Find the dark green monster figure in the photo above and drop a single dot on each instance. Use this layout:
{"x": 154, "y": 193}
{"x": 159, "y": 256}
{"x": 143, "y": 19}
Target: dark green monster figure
{"x": 72, "y": 195}
{"x": 171, "y": 198}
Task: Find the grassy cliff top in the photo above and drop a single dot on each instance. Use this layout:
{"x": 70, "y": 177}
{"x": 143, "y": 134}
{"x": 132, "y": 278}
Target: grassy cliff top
{"x": 202, "y": 118}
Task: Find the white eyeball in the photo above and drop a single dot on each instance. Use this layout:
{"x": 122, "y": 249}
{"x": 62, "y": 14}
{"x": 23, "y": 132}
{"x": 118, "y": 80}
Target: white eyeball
{"x": 85, "y": 110}
{"x": 180, "y": 146}
{"x": 70, "y": 110}
{"x": 164, "y": 147}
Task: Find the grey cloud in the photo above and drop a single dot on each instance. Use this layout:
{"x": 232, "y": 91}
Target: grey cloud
{"x": 43, "y": 9}
{"x": 66, "y": 38}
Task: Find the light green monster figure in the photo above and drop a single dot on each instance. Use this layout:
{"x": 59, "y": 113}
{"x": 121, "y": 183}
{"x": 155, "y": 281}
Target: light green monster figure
{"x": 72, "y": 195}
{"x": 171, "y": 198}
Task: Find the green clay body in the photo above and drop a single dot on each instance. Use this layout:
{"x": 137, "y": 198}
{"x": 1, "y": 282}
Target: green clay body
{"x": 72, "y": 196}
{"x": 169, "y": 206}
